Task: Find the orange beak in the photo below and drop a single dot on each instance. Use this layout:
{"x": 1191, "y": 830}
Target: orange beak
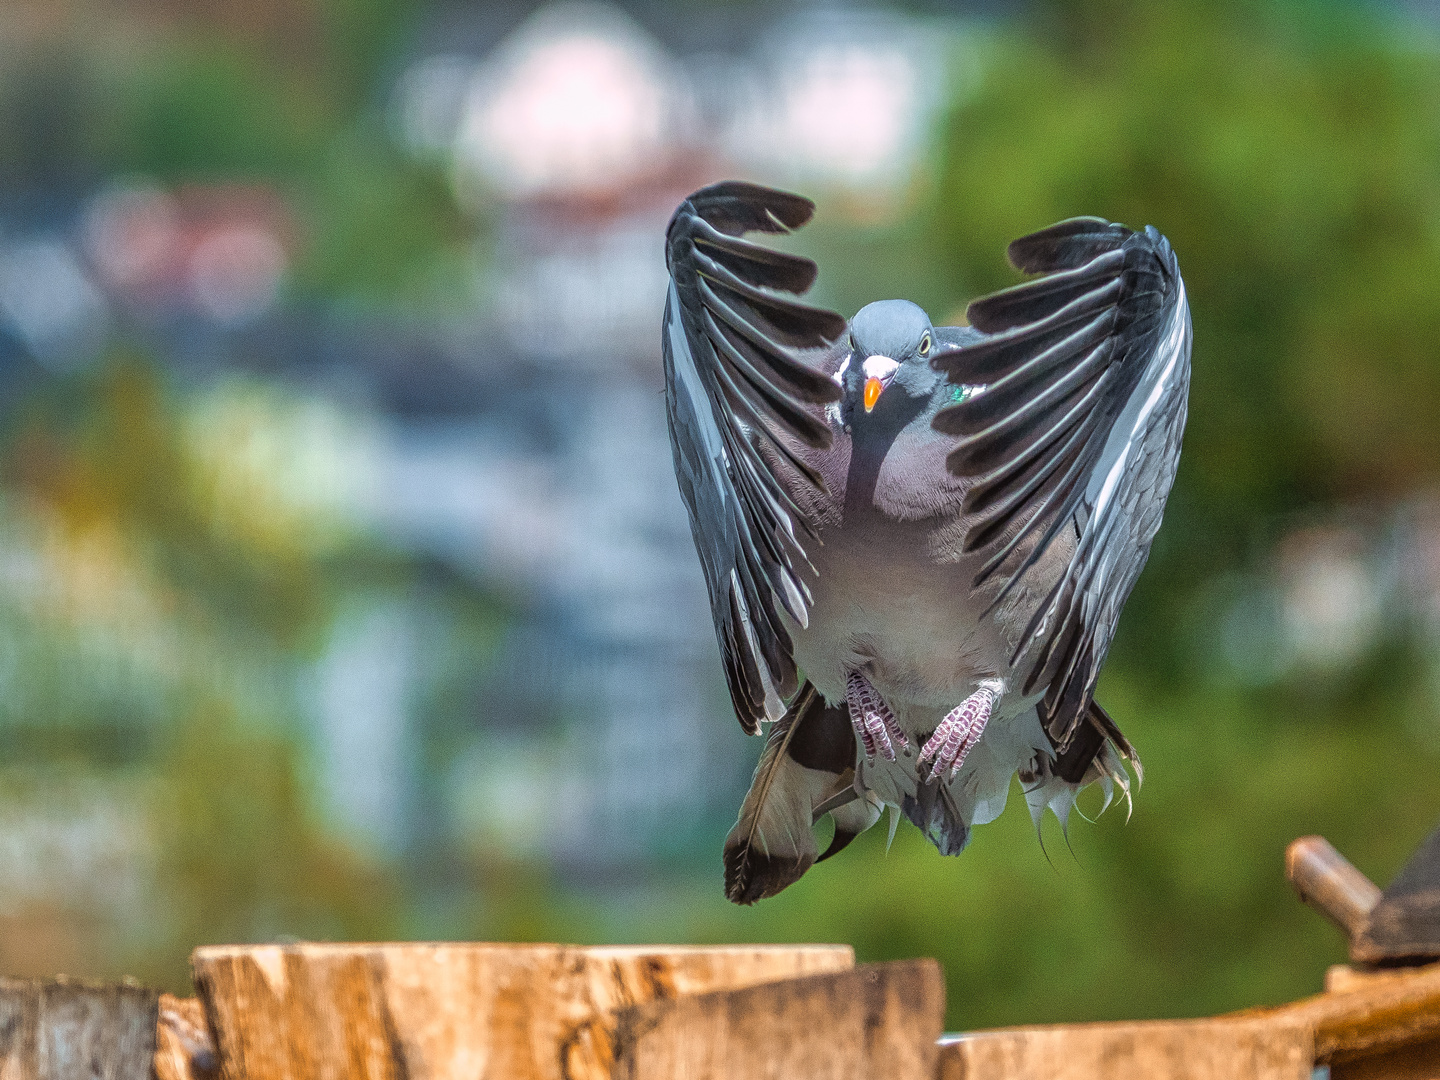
{"x": 873, "y": 386}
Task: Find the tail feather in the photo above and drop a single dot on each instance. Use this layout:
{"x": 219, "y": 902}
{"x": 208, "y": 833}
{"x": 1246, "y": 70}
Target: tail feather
{"x": 809, "y": 758}
{"x": 853, "y": 818}
{"x": 933, "y": 810}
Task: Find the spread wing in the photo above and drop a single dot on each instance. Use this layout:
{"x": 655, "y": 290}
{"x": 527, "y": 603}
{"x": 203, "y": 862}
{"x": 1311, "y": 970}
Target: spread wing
{"x": 1086, "y": 372}
{"x": 744, "y": 384}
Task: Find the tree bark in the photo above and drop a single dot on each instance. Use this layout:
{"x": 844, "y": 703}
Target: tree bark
{"x": 59, "y": 1029}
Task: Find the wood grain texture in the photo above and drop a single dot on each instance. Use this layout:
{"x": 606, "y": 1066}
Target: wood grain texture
{"x": 183, "y": 1047}
{"x": 1216, "y": 1049}
{"x": 59, "y": 1029}
{"x": 1418, "y": 1061}
{"x": 879, "y": 1020}
{"x": 1368, "y": 1021}
{"x": 1374, "y": 1016}
{"x": 487, "y": 1012}
{"x": 1342, "y": 978}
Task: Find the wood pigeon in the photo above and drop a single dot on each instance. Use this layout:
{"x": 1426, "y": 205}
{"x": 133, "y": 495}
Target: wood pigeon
{"x": 917, "y": 539}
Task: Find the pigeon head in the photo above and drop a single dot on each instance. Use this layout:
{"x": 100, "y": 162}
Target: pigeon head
{"x": 891, "y": 343}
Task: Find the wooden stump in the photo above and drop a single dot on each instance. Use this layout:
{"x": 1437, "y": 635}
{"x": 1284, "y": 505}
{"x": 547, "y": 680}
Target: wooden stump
{"x": 1368, "y": 1026}
{"x": 1217, "y": 1049}
{"x": 1371, "y": 1014}
{"x": 491, "y": 1012}
{"x": 1418, "y": 1061}
{"x": 59, "y": 1029}
{"x": 880, "y": 1020}
{"x": 1399, "y": 1025}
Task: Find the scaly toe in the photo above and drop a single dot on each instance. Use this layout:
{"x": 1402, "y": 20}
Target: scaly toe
{"x": 875, "y": 725}
{"x": 950, "y": 744}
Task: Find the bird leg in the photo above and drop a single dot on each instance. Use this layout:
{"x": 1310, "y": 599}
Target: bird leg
{"x": 875, "y": 725}
{"x": 960, "y": 730}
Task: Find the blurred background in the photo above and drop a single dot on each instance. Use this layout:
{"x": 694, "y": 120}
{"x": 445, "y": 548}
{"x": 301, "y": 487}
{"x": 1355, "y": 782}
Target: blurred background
{"x": 345, "y": 591}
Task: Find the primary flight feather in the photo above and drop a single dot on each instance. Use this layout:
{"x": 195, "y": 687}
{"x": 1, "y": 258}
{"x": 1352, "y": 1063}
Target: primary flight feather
{"x": 916, "y": 539}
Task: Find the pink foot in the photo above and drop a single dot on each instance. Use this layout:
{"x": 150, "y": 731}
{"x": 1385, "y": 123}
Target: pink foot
{"x": 875, "y": 725}
{"x": 958, "y": 732}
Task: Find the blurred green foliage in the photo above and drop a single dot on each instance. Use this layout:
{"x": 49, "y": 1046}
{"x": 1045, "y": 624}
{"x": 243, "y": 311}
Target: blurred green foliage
{"x": 155, "y": 652}
{"x": 109, "y": 453}
{"x": 387, "y": 234}
{"x": 1287, "y": 152}
{"x": 243, "y": 858}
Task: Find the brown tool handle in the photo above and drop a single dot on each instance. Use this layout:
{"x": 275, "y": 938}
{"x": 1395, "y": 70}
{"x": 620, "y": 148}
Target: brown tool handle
{"x": 1328, "y": 882}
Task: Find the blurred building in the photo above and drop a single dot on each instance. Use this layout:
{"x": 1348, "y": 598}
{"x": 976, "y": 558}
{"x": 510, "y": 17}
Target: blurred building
{"x": 576, "y": 134}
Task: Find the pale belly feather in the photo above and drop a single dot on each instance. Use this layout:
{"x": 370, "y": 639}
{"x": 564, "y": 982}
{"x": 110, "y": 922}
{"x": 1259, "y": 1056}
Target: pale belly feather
{"x": 894, "y": 598}
{"x": 914, "y": 627}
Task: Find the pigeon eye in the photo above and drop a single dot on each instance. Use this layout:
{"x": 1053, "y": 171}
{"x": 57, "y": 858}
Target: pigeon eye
{"x": 925, "y": 344}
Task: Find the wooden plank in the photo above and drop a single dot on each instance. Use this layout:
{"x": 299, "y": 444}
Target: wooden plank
{"x": 1216, "y": 1049}
{"x": 880, "y": 1020}
{"x": 1375, "y": 1015}
{"x": 57, "y": 1029}
{"x": 1342, "y": 978}
{"x": 417, "y": 1011}
{"x": 1368, "y": 1018}
{"x": 1418, "y": 1061}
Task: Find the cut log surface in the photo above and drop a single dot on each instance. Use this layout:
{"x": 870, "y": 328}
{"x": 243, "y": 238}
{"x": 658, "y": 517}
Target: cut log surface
{"x": 1217, "y": 1049}
{"x": 880, "y": 1020}
{"x": 481, "y": 1011}
{"x": 58, "y": 1029}
{"x": 1368, "y": 1022}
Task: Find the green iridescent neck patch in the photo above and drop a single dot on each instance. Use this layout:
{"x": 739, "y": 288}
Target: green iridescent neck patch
{"x": 962, "y": 393}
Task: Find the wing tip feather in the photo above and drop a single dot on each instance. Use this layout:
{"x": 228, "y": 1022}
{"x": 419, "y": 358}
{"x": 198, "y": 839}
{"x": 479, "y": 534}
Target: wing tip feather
{"x": 1065, "y": 245}
{"x": 737, "y": 206}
